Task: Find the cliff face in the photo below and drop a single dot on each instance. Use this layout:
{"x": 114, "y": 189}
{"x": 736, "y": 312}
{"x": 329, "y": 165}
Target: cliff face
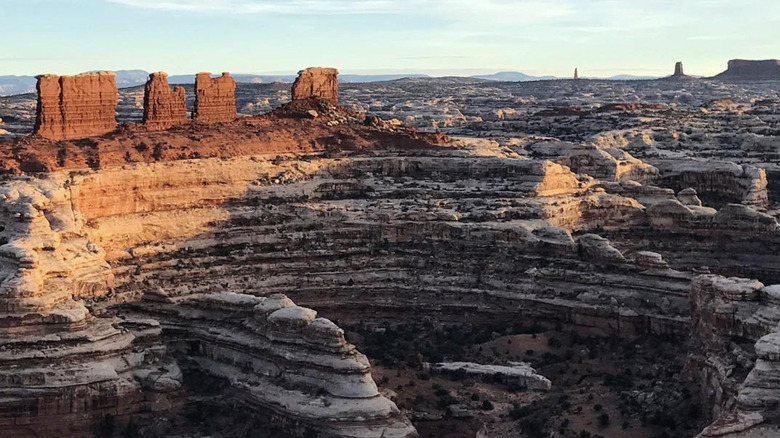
{"x": 740, "y": 69}
{"x": 71, "y": 107}
{"x": 147, "y": 265}
{"x": 163, "y": 108}
{"x": 734, "y": 354}
{"x": 64, "y": 367}
{"x": 322, "y": 83}
{"x": 215, "y": 98}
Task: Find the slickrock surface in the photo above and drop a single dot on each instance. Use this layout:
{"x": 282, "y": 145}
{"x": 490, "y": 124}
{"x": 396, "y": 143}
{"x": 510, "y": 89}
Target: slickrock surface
{"x": 215, "y": 98}
{"x": 322, "y": 83}
{"x": 641, "y": 211}
{"x": 163, "y": 107}
{"x": 71, "y": 107}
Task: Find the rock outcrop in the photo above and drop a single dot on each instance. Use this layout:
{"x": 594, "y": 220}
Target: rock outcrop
{"x": 318, "y": 82}
{"x": 63, "y": 368}
{"x": 679, "y": 73}
{"x": 678, "y": 69}
{"x": 716, "y": 182}
{"x": 606, "y": 164}
{"x": 740, "y": 69}
{"x": 163, "y": 108}
{"x": 735, "y": 355}
{"x": 71, "y": 107}
{"x": 215, "y": 98}
{"x": 175, "y": 261}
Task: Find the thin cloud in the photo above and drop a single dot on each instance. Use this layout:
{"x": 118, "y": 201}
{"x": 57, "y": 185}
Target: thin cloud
{"x": 521, "y": 9}
{"x": 265, "y": 6}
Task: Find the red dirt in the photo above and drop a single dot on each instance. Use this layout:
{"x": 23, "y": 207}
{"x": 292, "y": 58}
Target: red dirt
{"x": 289, "y": 129}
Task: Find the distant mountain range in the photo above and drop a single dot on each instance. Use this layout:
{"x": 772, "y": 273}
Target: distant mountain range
{"x": 512, "y": 76}
{"x": 738, "y": 69}
{"x": 10, "y": 85}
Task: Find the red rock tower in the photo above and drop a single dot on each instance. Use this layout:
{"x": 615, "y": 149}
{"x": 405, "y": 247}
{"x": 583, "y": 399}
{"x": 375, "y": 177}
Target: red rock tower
{"x": 71, "y": 107}
{"x": 215, "y": 98}
{"x": 576, "y": 74}
{"x": 163, "y": 108}
{"x": 322, "y": 83}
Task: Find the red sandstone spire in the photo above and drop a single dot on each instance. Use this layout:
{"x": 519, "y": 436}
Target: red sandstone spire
{"x": 322, "y": 83}
{"x": 163, "y": 108}
{"x": 215, "y": 98}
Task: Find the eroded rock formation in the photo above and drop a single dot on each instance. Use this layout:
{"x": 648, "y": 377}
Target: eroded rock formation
{"x": 740, "y": 69}
{"x": 279, "y": 358}
{"x": 678, "y": 69}
{"x": 679, "y": 73}
{"x": 163, "y": 107}
{"x": 215, "y": 98}
{"x": 735, "y": 354}
{"x": 322, "y": 83}
{"x": 71, "y": 107}
{"x": 368, "y": 223}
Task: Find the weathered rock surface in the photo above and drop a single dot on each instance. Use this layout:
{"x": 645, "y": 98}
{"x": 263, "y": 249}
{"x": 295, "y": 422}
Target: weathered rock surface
{"x": 372, "y": 222}
{"x": 519, "y": 373}
{"x": 322, "y": 83}
{"x": 63, "y": 368}
{"x": 163, "y": 107}
{"x": 215, "y": 98}
{"x": 71, "y": 107}
{"x": 716, "y": 183}
{"x": 742, "y": 380}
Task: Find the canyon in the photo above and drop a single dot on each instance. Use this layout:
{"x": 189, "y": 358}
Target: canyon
{"x": 430, "y": 258}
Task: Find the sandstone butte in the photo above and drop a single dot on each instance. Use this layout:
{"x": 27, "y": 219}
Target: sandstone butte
{"x": 215, "y": 98}
{"x": 317, "y": 82}
{"x": 152, "y": 259}
{"x": 72, "y": 107}
{"x": 163, "y": 107}
{"x": 283, "y": 363}
{"x": 740, "y": 69}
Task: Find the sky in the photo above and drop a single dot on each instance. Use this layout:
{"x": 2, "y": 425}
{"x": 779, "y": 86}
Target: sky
{"x": 437, "y": 37}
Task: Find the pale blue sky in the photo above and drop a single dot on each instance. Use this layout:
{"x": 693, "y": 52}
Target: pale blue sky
{"x": 601, "y": 37}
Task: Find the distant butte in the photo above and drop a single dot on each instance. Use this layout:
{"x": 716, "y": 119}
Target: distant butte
{"x": 679, "y": 73}
{"x": 317, "y": 82}
{"x": 740, "y": 69}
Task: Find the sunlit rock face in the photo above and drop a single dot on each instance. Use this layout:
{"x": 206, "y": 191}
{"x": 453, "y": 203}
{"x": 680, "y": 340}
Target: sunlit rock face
{"x": 215, "y": 98}
{"x": 163, "y": 107}
{"x": 71, "y": 107}
{"x": 317, "y": 82}
{"x": 150, "y": 259}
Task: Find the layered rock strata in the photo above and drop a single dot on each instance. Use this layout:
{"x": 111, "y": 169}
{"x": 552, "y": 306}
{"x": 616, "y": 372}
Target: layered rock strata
{"x": 215, "y": 98}
{"x": 280, "y": 359}
{"x": 716, "y": 183}
{"x": 734, "y": 354}
{"x": 71, "y": 107}
{"x": 365, "y": 224}
{"x": 317, "y": 82}
{"x": 65, "y": 369}
{"x": 163, "y": 107}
